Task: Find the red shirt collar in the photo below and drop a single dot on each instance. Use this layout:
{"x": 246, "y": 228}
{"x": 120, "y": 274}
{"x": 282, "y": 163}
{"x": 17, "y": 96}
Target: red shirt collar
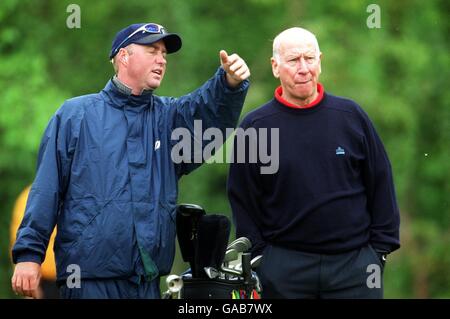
{"x": 279, "y": 92}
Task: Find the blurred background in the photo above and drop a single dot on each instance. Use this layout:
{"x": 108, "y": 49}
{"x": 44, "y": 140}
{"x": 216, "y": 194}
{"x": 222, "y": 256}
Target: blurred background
{"x": 398, "y": 73}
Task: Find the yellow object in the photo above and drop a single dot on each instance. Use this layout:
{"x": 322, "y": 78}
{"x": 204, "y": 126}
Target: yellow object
{"x": 48, "y": 268}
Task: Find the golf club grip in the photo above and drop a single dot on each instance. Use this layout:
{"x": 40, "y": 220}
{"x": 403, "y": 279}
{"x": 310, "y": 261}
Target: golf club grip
{"x": 246, "y": 266}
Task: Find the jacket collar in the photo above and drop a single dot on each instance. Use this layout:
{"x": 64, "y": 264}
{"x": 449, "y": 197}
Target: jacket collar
{"x": 120, "y": 96}
{"x": 123, "y": 88}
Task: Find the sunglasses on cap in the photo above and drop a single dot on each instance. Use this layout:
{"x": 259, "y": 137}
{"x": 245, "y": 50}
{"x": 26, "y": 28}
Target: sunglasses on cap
{"x": 151, "y": 28}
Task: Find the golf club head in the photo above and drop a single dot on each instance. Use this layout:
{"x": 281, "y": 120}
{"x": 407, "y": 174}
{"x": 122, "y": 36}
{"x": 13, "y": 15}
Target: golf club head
{"x": 231, "y": 271}
{"x": 212, "y": 272}
{"x": 230, "y": 255}
{"x": 255, "y": 262}
{"x": 191, "y": 210}
{"x": 241, "y": 244}
{"x": 187, "y": 220}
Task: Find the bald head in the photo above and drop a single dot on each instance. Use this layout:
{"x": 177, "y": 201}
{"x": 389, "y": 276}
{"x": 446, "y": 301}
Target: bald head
{"x": 294, "y": 34}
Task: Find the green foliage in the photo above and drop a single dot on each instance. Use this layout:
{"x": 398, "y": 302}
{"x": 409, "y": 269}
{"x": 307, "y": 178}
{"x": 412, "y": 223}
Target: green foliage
{"x": 398, "y": 74}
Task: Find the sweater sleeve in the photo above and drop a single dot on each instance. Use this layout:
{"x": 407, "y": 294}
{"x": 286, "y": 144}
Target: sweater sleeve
{"x": 381, "y": 198}
{"x": 244, "y": 193}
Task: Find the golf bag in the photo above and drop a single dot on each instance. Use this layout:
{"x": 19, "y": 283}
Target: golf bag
{"x": 217, "y": 270}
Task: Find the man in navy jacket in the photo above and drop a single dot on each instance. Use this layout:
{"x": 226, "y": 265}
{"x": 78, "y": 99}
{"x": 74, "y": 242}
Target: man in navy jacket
{"x": 326, "y": 218}
{"x": 106, "y": 178}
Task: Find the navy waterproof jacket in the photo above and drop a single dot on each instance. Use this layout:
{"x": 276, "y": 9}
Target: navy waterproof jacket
{"x": 106, "y": 178}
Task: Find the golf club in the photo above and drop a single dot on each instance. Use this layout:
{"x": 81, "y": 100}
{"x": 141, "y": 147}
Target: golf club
{"x": 212, "y": 272}
{"x": 254, "y": 263}
{"x": 241, "y": 244}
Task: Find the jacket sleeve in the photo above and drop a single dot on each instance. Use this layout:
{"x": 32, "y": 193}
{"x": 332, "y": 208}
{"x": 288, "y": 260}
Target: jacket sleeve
{"x": 245, "y": 195}
{"x": 212, "y": 106}
{"x": 381, "y": 198}
{"x": 45, "y": 196}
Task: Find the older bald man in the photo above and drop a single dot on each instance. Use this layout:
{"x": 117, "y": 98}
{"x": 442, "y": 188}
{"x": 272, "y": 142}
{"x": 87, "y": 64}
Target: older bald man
{"x": 328, "y": 217}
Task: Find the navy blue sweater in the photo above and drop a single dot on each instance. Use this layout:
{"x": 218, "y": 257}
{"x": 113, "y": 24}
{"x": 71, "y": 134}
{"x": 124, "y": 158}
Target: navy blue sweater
{"x": 333, "y": 191}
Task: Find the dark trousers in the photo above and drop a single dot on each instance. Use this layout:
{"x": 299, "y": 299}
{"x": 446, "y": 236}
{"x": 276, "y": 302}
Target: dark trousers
{"x": 111, "y": 289}
{"x": 286, "y": 273}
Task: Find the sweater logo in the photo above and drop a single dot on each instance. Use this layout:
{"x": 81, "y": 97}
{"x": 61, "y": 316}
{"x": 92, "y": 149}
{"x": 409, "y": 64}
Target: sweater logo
{"x": 340, "y": 151}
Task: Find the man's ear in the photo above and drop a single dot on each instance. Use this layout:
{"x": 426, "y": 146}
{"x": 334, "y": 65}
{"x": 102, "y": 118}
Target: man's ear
{"x": 320, "y": 63}
{"x": 123, "y": 55}
{"x": 275, "y": 71}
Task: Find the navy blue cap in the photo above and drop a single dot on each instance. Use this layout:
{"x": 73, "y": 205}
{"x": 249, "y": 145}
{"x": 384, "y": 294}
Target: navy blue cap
{"x": 145, "y": 33}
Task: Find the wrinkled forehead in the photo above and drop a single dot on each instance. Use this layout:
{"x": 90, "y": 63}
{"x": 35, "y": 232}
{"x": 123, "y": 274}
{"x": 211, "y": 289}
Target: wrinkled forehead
{"x": 297, "y": 46}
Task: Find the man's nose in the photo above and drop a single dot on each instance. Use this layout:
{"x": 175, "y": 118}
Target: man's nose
{"x": 303, "y": 67}
{"x": 160, "y": 59}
